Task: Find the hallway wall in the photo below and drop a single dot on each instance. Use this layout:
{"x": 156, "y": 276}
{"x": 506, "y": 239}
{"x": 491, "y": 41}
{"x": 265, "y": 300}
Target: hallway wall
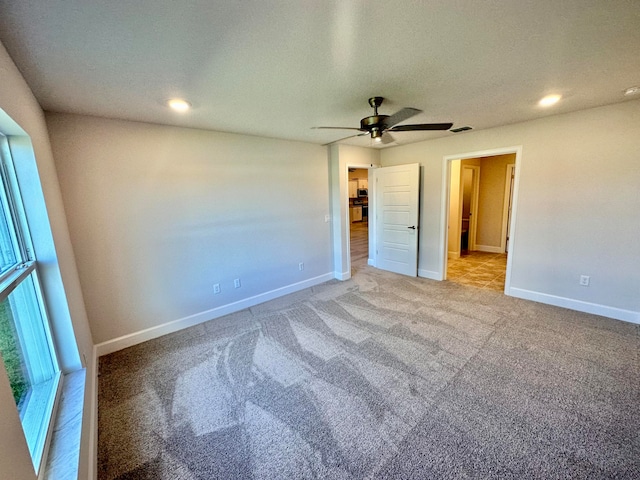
{"x": 491, "y": 201}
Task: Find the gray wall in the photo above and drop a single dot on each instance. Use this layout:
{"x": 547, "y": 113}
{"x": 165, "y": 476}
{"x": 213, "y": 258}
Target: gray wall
{"x": 159, "y": 214}
{"x": 577, "y": 207}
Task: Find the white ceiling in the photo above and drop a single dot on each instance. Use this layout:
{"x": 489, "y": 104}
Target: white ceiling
{"x": 277, "y": 68}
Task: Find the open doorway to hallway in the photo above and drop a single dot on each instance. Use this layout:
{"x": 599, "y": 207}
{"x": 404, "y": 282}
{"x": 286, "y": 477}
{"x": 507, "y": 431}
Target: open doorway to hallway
{"x": 479, "y": 269}
{"x": 480, "y": 199}
{"x": 359, "y": 216}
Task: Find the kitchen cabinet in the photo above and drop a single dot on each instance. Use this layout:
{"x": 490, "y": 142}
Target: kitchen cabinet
{"x": 363, "y": 183}
{"x": 353, "y": 188}
{"x": 355, "y": 213}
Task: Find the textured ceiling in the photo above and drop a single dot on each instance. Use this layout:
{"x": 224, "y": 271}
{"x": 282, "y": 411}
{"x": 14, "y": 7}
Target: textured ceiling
{"x": 279, "y": 68}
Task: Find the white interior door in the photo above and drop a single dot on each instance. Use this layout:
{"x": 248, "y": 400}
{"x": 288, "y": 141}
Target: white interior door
{"x": 397, "y": 195}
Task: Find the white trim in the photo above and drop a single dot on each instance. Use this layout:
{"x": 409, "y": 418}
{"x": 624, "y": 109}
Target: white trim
{"x": 45, "y": 435}
{"x": 578, "y": 305}
{"x": 372, "y": 262}
{"x": 92, "y": 460}
{"x": 342, "y": 275}
{"x": 135, "y": 338}
{"x": 511, "y": 168}
{"x": 347, "y": 222}
{"x": 453, "y": 254}
{"x": 489, "y": 249}
{"x": 66, "y": 437}
{"x": 443, "y": 246}
{"x": 512, "y": 222}
{"x": 430, "y": 274}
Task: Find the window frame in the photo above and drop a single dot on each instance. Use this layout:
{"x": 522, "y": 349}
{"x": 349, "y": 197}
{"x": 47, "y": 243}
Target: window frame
{"x": 37, "y": 410}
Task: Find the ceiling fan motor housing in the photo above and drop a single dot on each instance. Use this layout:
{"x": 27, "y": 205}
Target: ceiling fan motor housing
{"x": 374, "y": 121}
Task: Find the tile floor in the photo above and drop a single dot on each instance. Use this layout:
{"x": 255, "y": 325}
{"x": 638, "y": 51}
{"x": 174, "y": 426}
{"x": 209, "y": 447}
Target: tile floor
{"x": 476, "y": 269}
{"x": 479, "y": 269}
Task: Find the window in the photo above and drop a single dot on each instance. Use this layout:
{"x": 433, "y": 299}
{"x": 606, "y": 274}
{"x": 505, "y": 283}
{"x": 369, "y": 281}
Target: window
{"x": 26, "y": 347}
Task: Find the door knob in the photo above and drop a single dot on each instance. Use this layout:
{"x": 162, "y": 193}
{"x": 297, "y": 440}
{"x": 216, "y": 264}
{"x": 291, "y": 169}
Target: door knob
{"x": 412, "y": 227}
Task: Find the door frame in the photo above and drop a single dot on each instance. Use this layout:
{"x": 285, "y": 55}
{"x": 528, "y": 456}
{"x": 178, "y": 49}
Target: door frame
{"x": 508, "y": 202}
{"x": 347, "y": 220}
{"x": 444, "y": 213}
{"x": 473, "y": 208}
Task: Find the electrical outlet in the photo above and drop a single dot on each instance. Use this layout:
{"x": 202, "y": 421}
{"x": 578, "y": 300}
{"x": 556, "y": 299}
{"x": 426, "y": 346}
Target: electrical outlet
{"x": 301, "y": 266}
{"x": 216, "y": 288}
{"x": 236, "y": 283}
{"x": 327, "y": 218}
{"x": 584, "y": 280}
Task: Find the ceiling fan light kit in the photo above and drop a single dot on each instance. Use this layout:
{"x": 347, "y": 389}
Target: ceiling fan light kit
{"x": 379, "y": 126}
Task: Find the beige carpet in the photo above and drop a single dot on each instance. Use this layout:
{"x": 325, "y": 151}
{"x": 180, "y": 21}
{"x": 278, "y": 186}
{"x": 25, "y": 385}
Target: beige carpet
{"x": 382, "y": 376}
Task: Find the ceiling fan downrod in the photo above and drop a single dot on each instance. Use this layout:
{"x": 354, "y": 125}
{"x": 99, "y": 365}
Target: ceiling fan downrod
{"x": 375, "y": 102}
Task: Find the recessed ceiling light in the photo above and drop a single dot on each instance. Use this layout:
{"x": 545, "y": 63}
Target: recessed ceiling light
{"x": 549, "y": 100}
{"x": 179, "y": 105}
{"x": 632, "y": 91}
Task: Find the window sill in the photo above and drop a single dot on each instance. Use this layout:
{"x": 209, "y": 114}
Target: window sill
{"x": 64, "y": 450}
{"x": 36, "y": 415}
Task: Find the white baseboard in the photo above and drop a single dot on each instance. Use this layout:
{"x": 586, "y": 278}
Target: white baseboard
{"x": 429, "y": 274}
{"x": 371, "y": 262}
{"x": 92, "y": 459}
{"x": 453, "y": 255}
{"x": 489, "y": 249}
{"x": 131, "y": 339}
{"x": 578, "y": 305}
{"x": 342, "y": 276}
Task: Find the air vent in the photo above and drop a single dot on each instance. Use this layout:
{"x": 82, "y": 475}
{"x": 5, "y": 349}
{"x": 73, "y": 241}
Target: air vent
{"x": 460, "y": 129}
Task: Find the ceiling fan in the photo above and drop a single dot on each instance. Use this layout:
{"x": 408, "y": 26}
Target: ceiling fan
{"x": 380, "y": 126}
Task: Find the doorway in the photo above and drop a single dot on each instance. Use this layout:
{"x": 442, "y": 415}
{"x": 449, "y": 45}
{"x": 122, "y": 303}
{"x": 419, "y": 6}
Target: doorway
{"x": 387, "y": 237}
{"x": 358, "y": 216}
{"x": 480, "y": 198}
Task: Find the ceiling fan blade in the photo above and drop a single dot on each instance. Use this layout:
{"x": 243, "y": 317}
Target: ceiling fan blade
{"x": 421, "y": 126}
{"x": 387, "y": 138}
{"x": 350, "y": 136}
{"x": 336, "y": 128}
{"x": 400, "y": 115}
